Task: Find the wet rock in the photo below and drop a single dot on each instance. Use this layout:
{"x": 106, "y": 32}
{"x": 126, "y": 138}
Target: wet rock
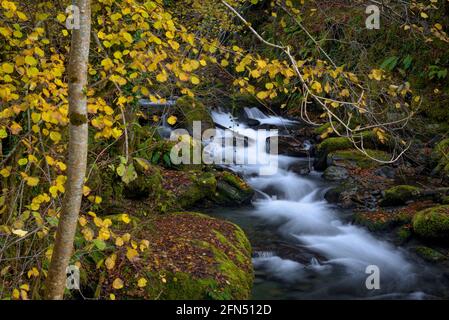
{"x": 334, "y": 173}
{"x": 385, "y": 172}
{"x": 253, "y": 122}
{"x": 289, "y": 146}
{"x": 231, "y": 190}
{"x": 432, "y": 223}
{"x": 300, "y": 167}
{"x": 429, "y": 254}
{"x": 399, "y": 195}
{"x": 356, "y": 159}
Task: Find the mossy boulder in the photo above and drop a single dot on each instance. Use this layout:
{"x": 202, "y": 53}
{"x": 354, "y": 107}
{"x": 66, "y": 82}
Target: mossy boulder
{"x": 341, "y": 143}
{"x": 382, "y": 221}
{"x": 231, "y": 190}
{"x": 432, "y": 223}
{"x": 334, "y": 144}
{"x": 190, "y": 256}
{"x": 189, "y": 110}
{"x": 429, "y": 254}
{"x": 400, "y": 195}
{"x": 355, "y": 159}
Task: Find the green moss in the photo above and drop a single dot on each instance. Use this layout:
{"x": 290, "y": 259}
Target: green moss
{"x": 231, "y": 190}
{"x": 404, "y": 233}
{"x": 399, "y": 195}
{"x": 321, "y": 129}
{"x": 445, "y": 200}
{"x": 432, "y": 223}
{"x": 354, "y": 158}
{"x": 378, "y": 221}
{"x": 234, "y": 264}
{"x": 341, "y": 143}
{"x": 189, "y": 110}
{"x": 429, "y": 254}
{"x": 182, "y": 286}
{"x": 204, "y": 184}
{"x": 147, "y": 185}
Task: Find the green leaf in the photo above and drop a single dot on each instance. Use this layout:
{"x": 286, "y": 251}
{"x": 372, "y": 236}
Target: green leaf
{"x": 121, "y": 169}
{"x": 3, "y": 133}
{"x": 130, "y": 174}
{"x": 167, "y": 160}
{"x": 100, "y": 244}
{"x": 156, "y": 158}
{"x": 407, "y": 62}
{"x": 390, "y": 63}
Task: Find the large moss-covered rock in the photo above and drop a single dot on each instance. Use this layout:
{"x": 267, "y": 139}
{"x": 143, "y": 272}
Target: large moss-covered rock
{"x": 399, "y": 195}
{"x": 432, "y": 223}
{"x": 190, "y": 256}
{"x": 189, "y": 110}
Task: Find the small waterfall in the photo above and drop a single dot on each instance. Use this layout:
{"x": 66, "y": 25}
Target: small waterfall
{"x": 297, "y": 209}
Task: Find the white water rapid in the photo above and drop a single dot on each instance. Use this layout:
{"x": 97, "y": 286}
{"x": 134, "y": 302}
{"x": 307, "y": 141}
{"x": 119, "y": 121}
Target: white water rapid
{"x": 335, "y": 255}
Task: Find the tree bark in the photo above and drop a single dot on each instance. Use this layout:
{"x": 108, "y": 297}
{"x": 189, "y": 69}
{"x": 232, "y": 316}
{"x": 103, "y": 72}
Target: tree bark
{"x": 77, "y": 154}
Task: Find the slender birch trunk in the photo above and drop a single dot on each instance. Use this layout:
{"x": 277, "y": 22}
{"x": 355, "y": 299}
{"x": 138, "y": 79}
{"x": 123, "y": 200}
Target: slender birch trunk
{"x": 77, "y": 154}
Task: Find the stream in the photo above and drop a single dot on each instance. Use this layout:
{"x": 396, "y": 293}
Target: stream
{"x": 303, "y": 248}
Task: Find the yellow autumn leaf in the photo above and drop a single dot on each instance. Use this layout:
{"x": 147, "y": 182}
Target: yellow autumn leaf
{"x": 118, "y": 284}
{"x": 125, "y": 218}
{"x": 19, "y": 232}
{"x": 32, "y": 181}
{"x": 262, "y": 95}
{"x": 30, "y": 60}
{"x": 8, "y": 67}
{"x": 131, "y": 254}
{"x": 172, "y": 120}
{"x": 142, "y": 283}
{"x": 194, "y": 80}
{"x": 110, "y": 261}
{"x": 161, "y": 77}
{"x": 55, "y": 136}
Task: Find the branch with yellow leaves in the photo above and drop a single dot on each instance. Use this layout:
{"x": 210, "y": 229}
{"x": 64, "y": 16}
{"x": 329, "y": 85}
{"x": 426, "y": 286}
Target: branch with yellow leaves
{"x": 351, "y": 134}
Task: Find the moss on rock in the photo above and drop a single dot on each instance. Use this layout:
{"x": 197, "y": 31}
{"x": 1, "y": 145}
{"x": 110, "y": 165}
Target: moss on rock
{"x": 231, "y": 190}
{"x": 191, "y": 256}
{"x": 432, "y": 223}
{"x": 429, "y": 254}
{"x": 189, "y": 110}
{"x": 399, "y": 195}
{"x": 356, "y": 159}
{"x": 203, "y": 185}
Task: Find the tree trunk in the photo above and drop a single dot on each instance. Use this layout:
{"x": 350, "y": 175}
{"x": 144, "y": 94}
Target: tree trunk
{"x": 77, "y": 154}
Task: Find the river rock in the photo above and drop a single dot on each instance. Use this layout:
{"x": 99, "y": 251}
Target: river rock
{"x": 253, "y": 122}
{"x": 399, "y": 195}
{"x": 385, "y": 172}
{"x": 334, "y": 173}
{"x": 432, "y": 223}
{"x": 289, "y": 146}
{"x": 300, "y": 167}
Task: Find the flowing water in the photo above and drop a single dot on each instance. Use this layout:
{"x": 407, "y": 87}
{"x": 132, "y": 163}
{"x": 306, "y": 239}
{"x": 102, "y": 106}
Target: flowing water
{"x": 303, "y": 248}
